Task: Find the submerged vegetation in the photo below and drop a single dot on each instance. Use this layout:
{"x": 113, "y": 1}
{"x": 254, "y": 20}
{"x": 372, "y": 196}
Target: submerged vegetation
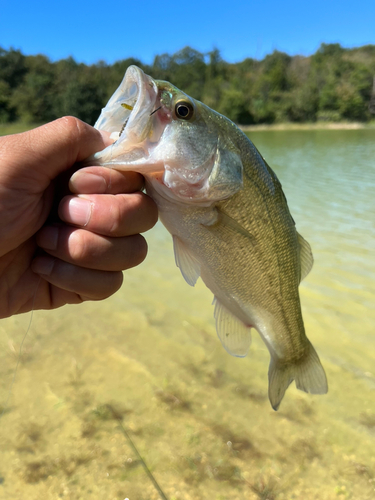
{"x": 334, "y": 84}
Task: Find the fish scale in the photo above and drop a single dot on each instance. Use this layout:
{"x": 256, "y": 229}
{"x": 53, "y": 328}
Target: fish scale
{"x": 228, "y": 216}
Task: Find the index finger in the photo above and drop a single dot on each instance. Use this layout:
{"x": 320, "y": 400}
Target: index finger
{"x": 50, "y": 149}
{"x": 102, "y": 180}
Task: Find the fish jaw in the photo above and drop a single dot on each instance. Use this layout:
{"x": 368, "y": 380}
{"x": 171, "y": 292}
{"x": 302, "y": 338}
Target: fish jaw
{"x": 187, "y": 161}
{"x": 138, "y": 93}
{"x": 127, "y": 118}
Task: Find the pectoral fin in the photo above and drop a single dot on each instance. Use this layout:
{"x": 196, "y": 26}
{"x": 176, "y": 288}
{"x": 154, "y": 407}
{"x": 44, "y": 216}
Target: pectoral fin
{"x": 189, "y": 266}
{"x": 234, "y": 335}
{"x": 228, "y": 224}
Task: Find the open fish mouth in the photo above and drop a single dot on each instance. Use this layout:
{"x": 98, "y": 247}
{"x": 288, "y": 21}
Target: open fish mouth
{"x": 159, "y": 132}
{"x": 127, "y": 118}
{"x": 127, "y": 114}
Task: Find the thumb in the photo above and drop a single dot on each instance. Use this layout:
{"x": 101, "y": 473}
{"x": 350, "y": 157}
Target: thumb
{"x": 43, "y": 153}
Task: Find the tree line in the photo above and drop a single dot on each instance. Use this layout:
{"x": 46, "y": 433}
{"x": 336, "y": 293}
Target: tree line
{"x": 333, "y": 84}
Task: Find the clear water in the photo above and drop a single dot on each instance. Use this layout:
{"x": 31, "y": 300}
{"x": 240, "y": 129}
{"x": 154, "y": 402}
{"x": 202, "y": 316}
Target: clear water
{"x": 200, "y": 418}
{"x": 329, "y": 180}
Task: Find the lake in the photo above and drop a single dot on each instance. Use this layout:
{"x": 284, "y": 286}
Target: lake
{"x": 200, "y": 418}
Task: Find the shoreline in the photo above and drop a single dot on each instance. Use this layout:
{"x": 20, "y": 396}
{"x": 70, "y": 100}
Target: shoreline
{"x": 308, "y": 126}
{"x": 17, "y": 127}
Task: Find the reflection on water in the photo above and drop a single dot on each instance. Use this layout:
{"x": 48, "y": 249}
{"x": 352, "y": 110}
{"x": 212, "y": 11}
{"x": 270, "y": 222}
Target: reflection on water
{"x": 200, "y": 418}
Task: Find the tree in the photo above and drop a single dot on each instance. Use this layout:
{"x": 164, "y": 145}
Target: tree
{"x": 333, "y": 84}
{"x": 33, "y": 98}
{"x": 185, "y": 69}
{"x": 12, "y": 73}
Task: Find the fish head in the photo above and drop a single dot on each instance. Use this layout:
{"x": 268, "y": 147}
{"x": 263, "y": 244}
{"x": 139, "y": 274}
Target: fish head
{"x": 180, "y": 145}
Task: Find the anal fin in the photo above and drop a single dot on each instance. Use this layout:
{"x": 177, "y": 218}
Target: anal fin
{"x": 234, "y": 335}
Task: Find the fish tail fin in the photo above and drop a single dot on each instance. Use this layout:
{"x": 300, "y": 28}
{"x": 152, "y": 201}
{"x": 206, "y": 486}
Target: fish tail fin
{"x": 280, "y": 376}
{"x": 308, "y": 373}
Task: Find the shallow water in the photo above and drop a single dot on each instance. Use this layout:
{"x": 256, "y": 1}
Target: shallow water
{"x": 200, "y": 418}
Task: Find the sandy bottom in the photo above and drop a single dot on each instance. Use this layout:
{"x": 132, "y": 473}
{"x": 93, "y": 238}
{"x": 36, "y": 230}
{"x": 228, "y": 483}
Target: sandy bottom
{"x": 200, "y": 418}
{"x": 150, "y": 358}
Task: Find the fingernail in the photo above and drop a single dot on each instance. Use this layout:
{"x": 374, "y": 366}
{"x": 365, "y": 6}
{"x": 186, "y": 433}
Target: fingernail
{"x": 43, "y": 265}
{"x": 84, "y": 182}
{"x": 47, "y": 238}
{"x": 76, "y": 211}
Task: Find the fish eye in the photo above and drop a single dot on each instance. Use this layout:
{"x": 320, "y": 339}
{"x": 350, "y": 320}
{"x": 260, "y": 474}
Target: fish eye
{"x": 184, "y": 110}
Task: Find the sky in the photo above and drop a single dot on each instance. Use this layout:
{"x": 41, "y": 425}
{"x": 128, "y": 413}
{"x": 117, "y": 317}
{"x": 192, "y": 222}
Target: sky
{"x": 111, "y": 31}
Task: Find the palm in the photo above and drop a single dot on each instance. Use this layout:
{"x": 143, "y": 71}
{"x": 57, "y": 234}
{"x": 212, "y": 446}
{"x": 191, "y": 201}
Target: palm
{"x": 23, "y": 290}
{"x": 45, "y": 265}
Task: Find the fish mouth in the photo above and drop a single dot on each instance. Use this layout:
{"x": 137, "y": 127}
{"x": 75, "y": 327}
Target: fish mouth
{"x": 127, "y": 116}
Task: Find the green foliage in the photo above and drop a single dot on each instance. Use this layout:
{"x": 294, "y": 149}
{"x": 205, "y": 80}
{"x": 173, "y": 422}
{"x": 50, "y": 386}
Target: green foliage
{"x": 186, "y": 69}
{"x": 5, "y": 109}
{"x": 83, "y": 93}
{"x": 12, "y": 72}
{"x": 333, "y": 84}
{"x": 32, "y": 99}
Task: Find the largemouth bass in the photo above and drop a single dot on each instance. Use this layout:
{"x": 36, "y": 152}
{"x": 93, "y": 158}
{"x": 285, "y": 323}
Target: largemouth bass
{"x": 228, "y": 216}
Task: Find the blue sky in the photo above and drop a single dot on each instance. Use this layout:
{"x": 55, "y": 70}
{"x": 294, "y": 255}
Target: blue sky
{"x": 110, "y": 31}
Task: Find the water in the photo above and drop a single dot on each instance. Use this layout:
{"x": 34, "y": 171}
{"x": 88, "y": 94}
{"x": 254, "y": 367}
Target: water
{"x": 329, "y": 180}
{"x": 200, "y": 418}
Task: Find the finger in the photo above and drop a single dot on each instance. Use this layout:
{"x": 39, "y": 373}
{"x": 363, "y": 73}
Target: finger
{"x": 101, "y": 180}
{"x": 89, "y": 284}
{"x": 52, "y": 149}
{"x": 86, "y": 249}
{"x": 110, "y": 215}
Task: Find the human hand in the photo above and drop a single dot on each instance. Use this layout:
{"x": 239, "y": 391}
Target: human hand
{"x": 98, "y": 235}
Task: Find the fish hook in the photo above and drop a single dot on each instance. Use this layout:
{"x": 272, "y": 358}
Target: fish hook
{"x": 155, "y": 110}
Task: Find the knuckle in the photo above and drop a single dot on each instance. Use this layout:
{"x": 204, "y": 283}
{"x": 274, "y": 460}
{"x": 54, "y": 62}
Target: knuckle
{"x": 137, "y": 200}
{"x": 72, "y": 125}
{"x": 139, "y": 250}
{"x": 113, "y": 284}
{"x": 147, "y": 209}
{"x": 117, "y": 217}
{"x": 77, "y": 246}
{"x": 74, "y": 133}
{"x": 153, "y": 212}
{"x": 130, "y": 214}
{"x": 71, "y": 122}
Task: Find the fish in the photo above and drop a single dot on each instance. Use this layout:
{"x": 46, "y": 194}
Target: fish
{"x": 228, "y": 217}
